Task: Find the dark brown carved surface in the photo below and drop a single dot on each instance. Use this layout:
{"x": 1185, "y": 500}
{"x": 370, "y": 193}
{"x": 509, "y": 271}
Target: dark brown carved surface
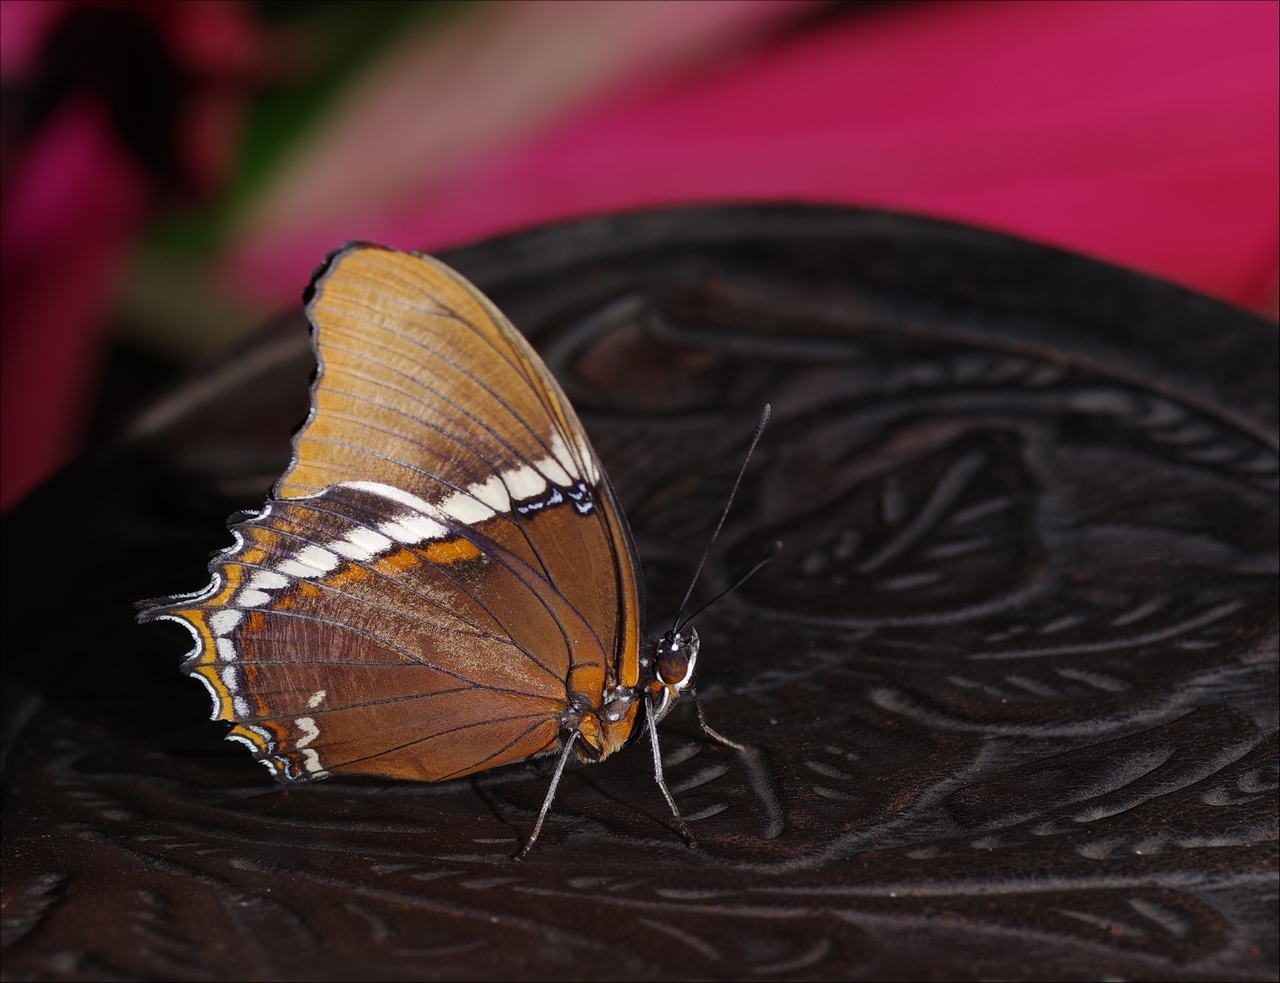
{"x": 1010, "y": 689}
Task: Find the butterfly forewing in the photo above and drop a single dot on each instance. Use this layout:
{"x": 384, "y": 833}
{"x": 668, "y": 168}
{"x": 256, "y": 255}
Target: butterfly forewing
{"x": 443, "y": 571}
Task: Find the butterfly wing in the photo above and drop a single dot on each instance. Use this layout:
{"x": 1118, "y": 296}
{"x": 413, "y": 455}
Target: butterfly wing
{"x": 443, "y": 571}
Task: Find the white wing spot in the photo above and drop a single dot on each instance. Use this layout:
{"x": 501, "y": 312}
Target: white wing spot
{"x": 309, "y": 731}
{"x": 310, "y": 561}
{"x": 227, "y": 650}
{"x": 525, "y": 482}
{"x": 221, "y": 622}
{"x": 268, "y": 580}
{"x": 230, "y": 680}
{"x": 318, "y": 557}
{"x": 472, "y": 505}
{"x": 391, "y": 492}
{"x": 588, "y": 460}
{"x": 461, "y": 507}
{"x": 311, "y": 761}
{"x": 413, "y": 527}
{"x": 361, "y": 544}
{"x": 560, "y": 452}
{"x": 252, "y": 598}
{"x": 493, "y": 493}
{"x": 316, "y": 698}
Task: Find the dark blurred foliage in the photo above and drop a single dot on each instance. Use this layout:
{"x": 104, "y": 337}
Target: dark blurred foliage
{"x": 118, "y": 55}
{"x": 109, "y": 111}
{"x": 198, "y": 102}
{"x": 312, "y": 50}
{"x": 213, "y": 161}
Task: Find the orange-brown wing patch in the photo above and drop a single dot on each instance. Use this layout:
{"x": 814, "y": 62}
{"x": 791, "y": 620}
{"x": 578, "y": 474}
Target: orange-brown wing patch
{"x": 452, "y": 551}
{"x": 426, "y": 387}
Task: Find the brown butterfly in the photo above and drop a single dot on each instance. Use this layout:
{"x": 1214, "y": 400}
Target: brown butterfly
{"x": 443, "y": 581}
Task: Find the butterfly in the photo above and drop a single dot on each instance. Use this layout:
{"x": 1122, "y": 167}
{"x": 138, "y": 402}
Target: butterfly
{"x": 443, "y": 581}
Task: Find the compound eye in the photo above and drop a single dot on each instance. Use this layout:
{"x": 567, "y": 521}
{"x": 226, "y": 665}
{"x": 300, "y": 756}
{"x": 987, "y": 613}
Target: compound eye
{"x": 673, "y": 665}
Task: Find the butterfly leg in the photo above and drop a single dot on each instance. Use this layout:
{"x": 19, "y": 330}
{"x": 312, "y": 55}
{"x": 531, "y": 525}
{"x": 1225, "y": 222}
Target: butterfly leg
{"x": 651, "y": 718}
{"x": 761, "y": 781}
{"x": 715, "y": 735}
{"x": 551, "y": 794}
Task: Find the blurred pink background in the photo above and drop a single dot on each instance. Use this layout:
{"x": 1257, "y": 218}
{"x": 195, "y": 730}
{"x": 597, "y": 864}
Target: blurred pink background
{"x": 1144, "y": 134}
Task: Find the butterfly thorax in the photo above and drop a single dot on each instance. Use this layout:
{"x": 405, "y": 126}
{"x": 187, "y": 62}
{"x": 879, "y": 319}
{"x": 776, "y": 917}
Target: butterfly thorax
{"x": 606, "y": 729}
{"x": 665, "y": 674}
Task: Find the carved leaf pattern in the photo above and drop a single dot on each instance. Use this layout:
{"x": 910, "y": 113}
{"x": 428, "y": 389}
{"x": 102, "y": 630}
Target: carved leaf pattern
{"x": 1009, "y": 692}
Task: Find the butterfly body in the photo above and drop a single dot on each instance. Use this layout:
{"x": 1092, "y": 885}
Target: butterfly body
{"x": 443, "y": 581}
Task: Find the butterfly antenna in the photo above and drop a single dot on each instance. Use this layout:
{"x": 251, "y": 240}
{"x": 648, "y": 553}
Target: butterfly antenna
{"x": 774, "y": 549}
{"x": 764, "y": 422}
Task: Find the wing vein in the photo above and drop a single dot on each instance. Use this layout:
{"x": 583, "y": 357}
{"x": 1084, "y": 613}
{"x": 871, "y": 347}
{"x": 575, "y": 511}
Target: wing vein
{"x": 412, "y": 657}
{"x": 510, "y": 640}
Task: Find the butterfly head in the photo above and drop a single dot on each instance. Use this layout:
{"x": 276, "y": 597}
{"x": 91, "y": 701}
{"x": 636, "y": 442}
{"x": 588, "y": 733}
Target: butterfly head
{"x": 674, "y": 662}
{"x": 676, "y": 657}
